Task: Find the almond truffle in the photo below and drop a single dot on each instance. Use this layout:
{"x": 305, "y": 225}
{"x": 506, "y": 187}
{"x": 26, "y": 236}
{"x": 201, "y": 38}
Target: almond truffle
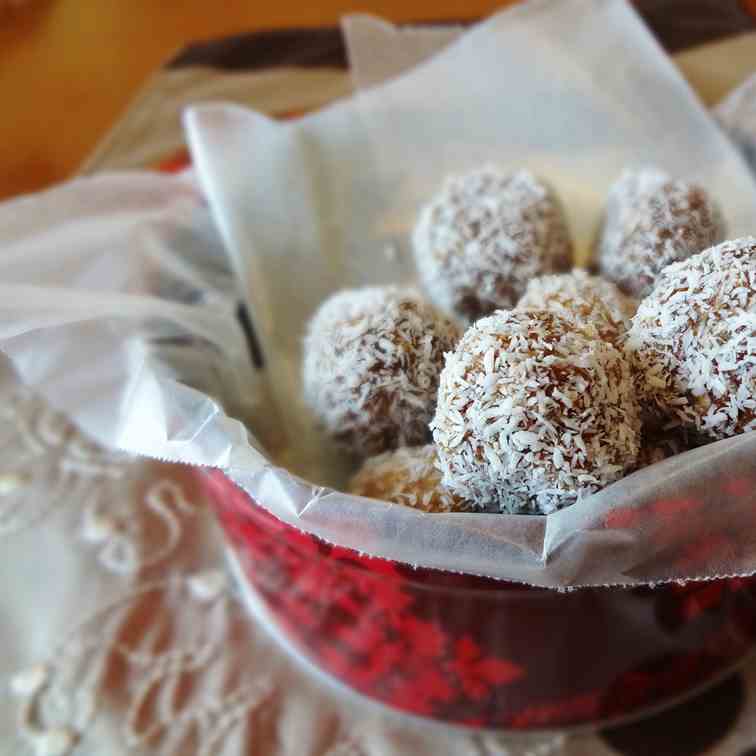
{"x": 693, "y": 341}
{"x": 585, "y": 298}
{"x": 653, "y": 220}
{"x": 407, "y": 476}
{"x": 484, "y": 236}
{"x": 372, "y": 359}
{"x": 534, "y": 413}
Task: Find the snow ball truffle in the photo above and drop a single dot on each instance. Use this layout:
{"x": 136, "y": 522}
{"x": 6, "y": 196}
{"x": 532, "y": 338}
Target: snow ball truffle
{"x": 693, "y": 341}
{"x": 585, "y": 298}
{"x": 406, "y": 476}
{"x": 372, "y": 359}
{"x": 532, "y": 414}
{"x": 484, "y": 236}
{"x": 651, "y": 221}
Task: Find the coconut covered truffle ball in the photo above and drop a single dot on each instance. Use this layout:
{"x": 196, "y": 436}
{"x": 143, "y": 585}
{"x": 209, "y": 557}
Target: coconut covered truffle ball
{"x": 651, "y": 221}
{"x": 484, "y": 236}
{"x": 585, "y": 298}
{"x": 693, "y": 341}
{"x": 372, "y": 359}
{"x": 533, "y": 413}
{"x": 406, "y": 476}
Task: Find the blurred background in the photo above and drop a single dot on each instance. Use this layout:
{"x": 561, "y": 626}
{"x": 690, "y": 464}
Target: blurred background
{"x": 69, "y": 68}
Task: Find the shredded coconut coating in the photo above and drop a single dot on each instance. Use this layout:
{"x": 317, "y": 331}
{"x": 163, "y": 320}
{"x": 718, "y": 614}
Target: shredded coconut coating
{"x": 484, "y": 236}
{"x": 372, "y": 359}
{"x": 533, "y": 414}
{"x": 406, "y": 476}
{"x": 584, "y": 298}
{"x": 651, "y": 221}
{"x": 693, "y": 341}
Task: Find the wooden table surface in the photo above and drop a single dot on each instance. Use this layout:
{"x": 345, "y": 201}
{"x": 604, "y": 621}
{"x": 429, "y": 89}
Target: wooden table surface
{"x": 68, "y": 68}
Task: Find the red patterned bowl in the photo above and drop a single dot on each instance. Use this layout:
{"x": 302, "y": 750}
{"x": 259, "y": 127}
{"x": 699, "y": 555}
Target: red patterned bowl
{"x": 478, "y": 652}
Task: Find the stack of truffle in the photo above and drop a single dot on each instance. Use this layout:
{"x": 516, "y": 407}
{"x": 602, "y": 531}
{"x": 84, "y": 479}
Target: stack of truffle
{"x": 562, "y": 382}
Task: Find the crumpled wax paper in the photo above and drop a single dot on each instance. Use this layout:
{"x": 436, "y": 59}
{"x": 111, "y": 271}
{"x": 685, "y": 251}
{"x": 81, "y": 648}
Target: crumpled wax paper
{"x": 107, "y": 307}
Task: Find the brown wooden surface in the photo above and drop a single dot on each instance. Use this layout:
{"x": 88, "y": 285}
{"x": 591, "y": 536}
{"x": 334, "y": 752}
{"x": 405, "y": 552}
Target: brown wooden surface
{"x": 68, "y": 68}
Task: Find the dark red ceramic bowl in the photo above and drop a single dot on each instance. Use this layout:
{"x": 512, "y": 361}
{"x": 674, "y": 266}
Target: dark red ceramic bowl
{"x": 478, "y": 652}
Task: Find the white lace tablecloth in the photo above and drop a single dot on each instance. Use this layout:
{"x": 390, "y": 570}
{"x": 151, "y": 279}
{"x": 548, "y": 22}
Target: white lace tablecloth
{"x": 123, "y": 634}
{"x": 121, "y": 631}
